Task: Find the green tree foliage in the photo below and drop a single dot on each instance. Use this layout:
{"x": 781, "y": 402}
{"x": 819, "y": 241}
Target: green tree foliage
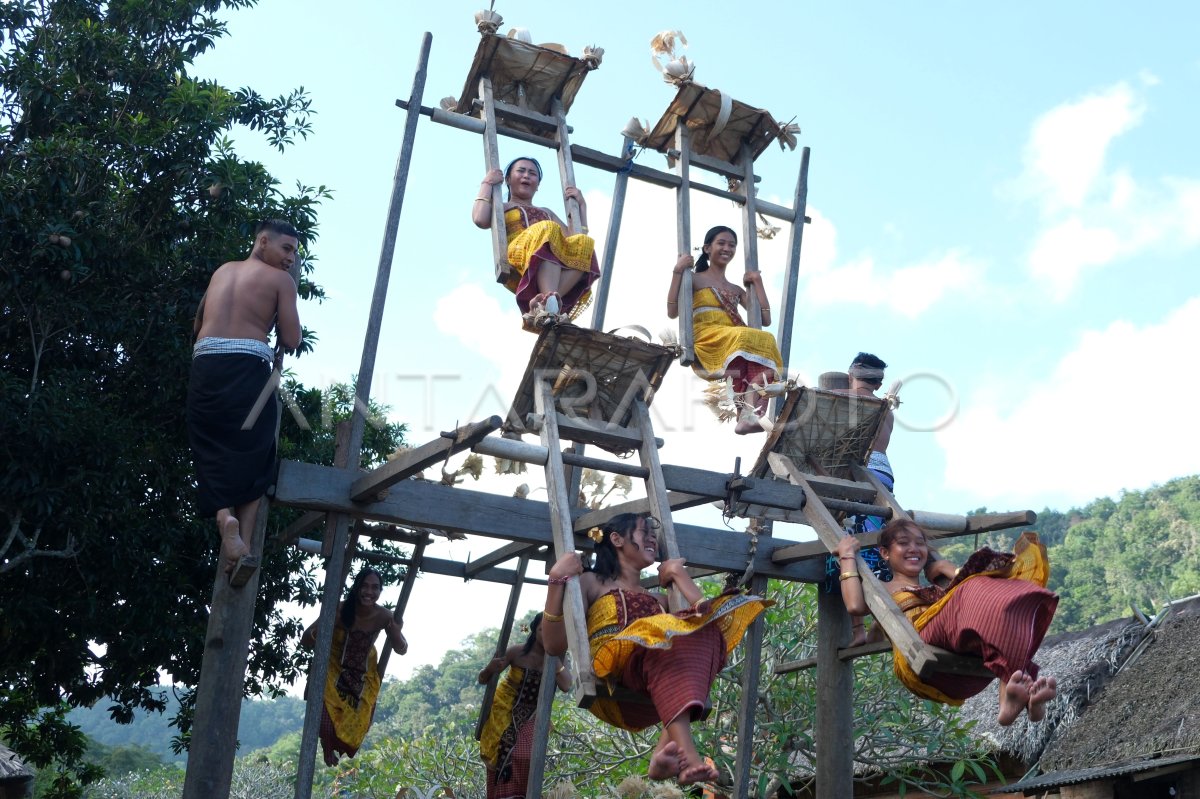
{"x": 1142, "y": 550}
{"x": 424, "y": 727}
{"x": 120, "y": 194}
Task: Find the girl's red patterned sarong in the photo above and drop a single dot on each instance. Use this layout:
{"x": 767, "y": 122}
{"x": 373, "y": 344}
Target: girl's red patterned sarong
{"x": 672, "y": 657}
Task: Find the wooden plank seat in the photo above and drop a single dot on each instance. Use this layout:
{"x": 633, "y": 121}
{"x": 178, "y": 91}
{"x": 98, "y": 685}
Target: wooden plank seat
{"x": 826, "y": 434}
{"x": 596, "y": 378}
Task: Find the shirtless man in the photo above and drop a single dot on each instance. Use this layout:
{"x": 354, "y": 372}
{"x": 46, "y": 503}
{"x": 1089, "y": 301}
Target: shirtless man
{"x": 231, "y": 364}
{"x": 866, "y": 377}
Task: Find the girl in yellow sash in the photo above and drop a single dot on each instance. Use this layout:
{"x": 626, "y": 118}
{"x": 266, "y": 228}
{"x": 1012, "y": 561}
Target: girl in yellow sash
{"x": 352, "y": 684}
{"x": 672, "y": 657}
{"x": 996, "y": 607}
{"x": 555, "y": 265}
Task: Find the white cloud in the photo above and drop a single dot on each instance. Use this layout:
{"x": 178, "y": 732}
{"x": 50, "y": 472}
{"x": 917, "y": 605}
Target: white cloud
{"x": 908, "y": 290}
{"x": 1113, "y": 414}
{"x": 1063, "y": 251}
{"x": 1064, "y": 158}
{"x": 1096, "y": 214}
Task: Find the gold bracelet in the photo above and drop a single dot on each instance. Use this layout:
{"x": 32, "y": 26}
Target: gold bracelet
{"x": 548, "y": 616}
{"x": 487, "y": 200}
{"x": 850, "y": 575}
{"x": 583, "y": 229}
{"x": 561, "y": 668}
{"x": 669, "y": 302}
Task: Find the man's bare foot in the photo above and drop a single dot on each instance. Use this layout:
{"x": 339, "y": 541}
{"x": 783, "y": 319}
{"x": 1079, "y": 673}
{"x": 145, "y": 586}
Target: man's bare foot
{"x": 700, "y": 772}
{"x": 1014, "y": 697}
{"x": 665, "y": 762}
{"x": 1044, "y": 689}
{"x": 233, "y": 548}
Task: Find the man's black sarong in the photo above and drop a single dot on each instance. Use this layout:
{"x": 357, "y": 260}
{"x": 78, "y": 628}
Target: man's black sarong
{"x": 233, "y": 466}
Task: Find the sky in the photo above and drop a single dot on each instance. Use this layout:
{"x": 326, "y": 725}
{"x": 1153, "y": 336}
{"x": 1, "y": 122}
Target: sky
{"x": 1005, "y": 205}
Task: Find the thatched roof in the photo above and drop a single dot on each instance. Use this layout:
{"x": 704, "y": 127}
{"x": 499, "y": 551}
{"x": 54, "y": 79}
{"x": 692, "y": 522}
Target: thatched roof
{"x": 1146, "y": 717}
{"x": 12, "y": 770}
{"x": 1082, "y": 663}
{"x": 526, "y": 75}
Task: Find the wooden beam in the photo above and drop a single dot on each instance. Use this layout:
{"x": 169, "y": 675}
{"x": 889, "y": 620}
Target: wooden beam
{"x": 846, "y": 653}
{"x": 496, "y": 557}
{"x": 603, "y": 434}
{"x": 310, "y": 520}
{"x": 416, "y": 503}
{"x": 504, "y": 109}
{"x": 599, "y": 160}
{"x": 595, "y": 518}
{"x": 771, "y": 493}
{"x": 515, "y": 450}
{"x": 414, "y": 460}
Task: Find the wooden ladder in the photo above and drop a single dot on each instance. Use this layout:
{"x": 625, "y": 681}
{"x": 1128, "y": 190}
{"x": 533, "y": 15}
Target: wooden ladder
{"x": 866, "y": 494}
{"x": 490, "y": 111}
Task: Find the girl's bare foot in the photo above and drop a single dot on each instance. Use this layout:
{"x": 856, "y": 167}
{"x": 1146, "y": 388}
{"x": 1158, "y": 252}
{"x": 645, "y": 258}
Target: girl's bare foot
{"x": 859, "y": 635}
{"x": 665, "y": 762}
{"x": 747, "y": 422}
{"x": 700, "y": 772}
{"x": 1044, "y": 689}
{"x": 1014, "y": 697}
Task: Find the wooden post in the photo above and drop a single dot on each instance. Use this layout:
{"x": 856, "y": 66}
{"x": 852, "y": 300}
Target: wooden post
{"x": 222, "y": 671}
{"x": 600, "y": 306}
{"x": 541, "y": 727}
{"x": 492, "y": 161}
{"x": 656, "y": 494}
{"x": 683, "y": 240}
{"x": 319, "y": 666}
{"x": 791, "y": 277}
{"x": 410, "y": 578}
{"x": 510, "y": 616}
{"x": 491, "y": 158}
{"x": 574, "y": 610}
{"x": 835, "y": 700}
{"x": 750, "y": 234}
{"x": 566, "y": 169}
{"x": 748, "y": 701}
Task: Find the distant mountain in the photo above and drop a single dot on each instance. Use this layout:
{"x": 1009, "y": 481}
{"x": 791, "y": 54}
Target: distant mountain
{"x": 263, "y": 722}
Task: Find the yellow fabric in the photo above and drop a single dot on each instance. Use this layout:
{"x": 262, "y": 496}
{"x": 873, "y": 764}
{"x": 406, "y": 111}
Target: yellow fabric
{"x": 501, "y": 714}
{"x": 612, "y": 647}
{"x": 351, "y": 723}
{"x": 717, "y": 341}
{"x": 1031, "y": 564}
{"x": 574, "y": 252}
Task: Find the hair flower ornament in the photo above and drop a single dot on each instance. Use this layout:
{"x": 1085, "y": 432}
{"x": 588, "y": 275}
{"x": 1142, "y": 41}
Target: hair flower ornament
{"x": 596, "y": 534}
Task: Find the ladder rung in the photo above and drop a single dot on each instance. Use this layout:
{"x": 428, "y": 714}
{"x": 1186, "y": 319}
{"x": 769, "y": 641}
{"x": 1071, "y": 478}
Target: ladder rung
{"x": 837, "y": 488}
{"x": 603, "y": 435}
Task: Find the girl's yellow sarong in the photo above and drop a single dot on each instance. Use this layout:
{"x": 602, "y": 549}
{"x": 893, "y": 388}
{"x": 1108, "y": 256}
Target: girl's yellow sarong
{"x": 533, "y": 237}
